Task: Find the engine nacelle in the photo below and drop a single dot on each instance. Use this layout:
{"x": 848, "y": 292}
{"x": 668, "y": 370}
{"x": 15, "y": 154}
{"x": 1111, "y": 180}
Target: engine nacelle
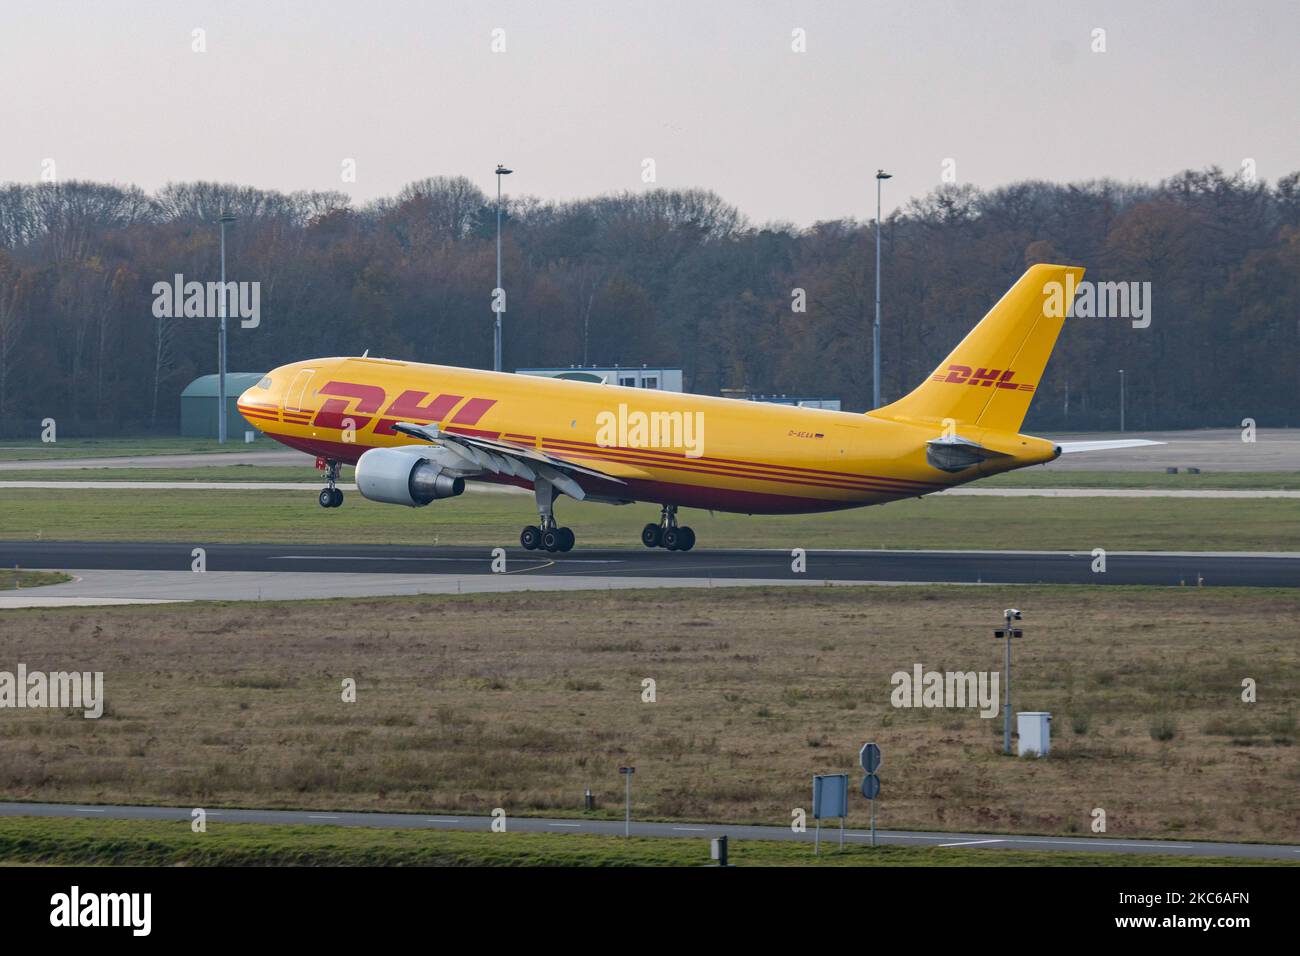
{"x": 404, "y": 476}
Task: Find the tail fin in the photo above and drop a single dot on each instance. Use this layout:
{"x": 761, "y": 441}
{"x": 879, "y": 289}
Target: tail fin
{"x": 989, "y": 379}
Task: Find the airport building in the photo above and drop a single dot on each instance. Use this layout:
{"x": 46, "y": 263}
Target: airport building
{"x": 802, "y": 401}
{"x": 643, "y": 376}
{"x": 199, "y": 406}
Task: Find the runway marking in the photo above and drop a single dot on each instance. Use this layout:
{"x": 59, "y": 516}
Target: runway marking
{"x": 536, "y": 567}
{"x": 635, "y": 570}
{"x": 439, "y": 820}
{"x": 693, "y": 829}
{"x": 1104, "y": 843}
{"x": 564, "y": 824}
{"x": 372, "y": 557}
{"x": 88, "y": 810}
{"x": 971, "y": 843}
{"x": 321, "y": 816}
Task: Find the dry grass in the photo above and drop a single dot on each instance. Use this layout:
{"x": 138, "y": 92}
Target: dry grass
{"x": 522, "y": 700}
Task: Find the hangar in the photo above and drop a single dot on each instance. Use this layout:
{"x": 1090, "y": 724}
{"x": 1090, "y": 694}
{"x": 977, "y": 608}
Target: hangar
{"x": 199, "y": 406}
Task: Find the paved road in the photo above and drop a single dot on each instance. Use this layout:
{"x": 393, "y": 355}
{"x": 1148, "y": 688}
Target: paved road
{"x": 197, "y": 460}
{"x": 830, "y": 834}
{"x": 1274, "y": 449}
{"x": 960, "y": 567}
{"x": 95, "y": 588}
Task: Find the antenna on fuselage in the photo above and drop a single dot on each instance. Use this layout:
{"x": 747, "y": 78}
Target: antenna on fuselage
{"x": 366, "y": 353}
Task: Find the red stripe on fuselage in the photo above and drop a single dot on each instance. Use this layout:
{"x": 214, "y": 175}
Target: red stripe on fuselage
{"x": 656, "y": 457}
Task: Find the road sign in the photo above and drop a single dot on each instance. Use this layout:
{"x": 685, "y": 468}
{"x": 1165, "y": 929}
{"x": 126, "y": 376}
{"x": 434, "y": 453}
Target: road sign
{"x": 830, "y": 799}
{"x": 871, "y": 786}
{"x": 830, "y": 795}
{"x": 870, "y": 758}
{"x": 627, "y": 769}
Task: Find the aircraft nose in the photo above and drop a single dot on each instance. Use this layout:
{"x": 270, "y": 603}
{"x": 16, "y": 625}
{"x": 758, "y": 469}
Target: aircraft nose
{"x": 257, "y": 403}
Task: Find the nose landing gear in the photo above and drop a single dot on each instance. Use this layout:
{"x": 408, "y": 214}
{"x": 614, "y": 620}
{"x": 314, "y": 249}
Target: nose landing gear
{"x": 667, "y": 534}
{"x": 330, "y": 496}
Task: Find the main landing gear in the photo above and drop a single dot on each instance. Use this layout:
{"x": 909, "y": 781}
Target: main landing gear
{"x": 546, "y": 535}
{"x": 330, "y": 496}
{"x": 666, "y": 534}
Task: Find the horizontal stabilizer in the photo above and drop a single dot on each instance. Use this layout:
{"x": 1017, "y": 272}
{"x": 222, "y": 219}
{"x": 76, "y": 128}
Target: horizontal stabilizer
{"x": 1069, "y": 447}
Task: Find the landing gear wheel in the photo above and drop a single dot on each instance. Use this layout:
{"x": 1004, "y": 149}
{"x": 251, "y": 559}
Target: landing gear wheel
{"x": 567, "y": 539}
{"x": 651, "y": 536}
{"x": 685, "y": 539}
{"x": 673, "y": 539}
{"x": 531, "y": 537}
{"x": 330, "y": 496}
{"x": 551, "y": 539}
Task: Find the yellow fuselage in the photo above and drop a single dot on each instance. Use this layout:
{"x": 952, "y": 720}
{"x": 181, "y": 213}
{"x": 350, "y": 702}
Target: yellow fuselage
{"x": 666, "y": 447}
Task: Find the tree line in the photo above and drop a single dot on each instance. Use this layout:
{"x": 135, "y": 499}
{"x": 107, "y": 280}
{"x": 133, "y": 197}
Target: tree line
{"x": 662, "y": 277}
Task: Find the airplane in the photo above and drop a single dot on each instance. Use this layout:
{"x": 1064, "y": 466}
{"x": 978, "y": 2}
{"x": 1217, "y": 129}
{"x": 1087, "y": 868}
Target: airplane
{"x": 417, "y": 433}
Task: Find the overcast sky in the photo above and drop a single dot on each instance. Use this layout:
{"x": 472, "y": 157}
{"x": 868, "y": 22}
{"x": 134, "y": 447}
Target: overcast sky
{"x": 712, "y": 92}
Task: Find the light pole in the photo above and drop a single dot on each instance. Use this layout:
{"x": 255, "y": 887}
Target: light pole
{"x": 221, "y": 346}
{"x": 627, "y": 812}
{"x": 881, "y": 175}
{"x": 1121, "y": 401}
{"x": 497, "y": 305}
{"x": 1009, "y": 632}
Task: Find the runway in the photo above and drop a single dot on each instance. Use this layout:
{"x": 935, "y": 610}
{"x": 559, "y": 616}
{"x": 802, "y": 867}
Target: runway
{"x": 109, "y": 572}
{"x": 702, "y": 831}
{"x": 124, "y": 484}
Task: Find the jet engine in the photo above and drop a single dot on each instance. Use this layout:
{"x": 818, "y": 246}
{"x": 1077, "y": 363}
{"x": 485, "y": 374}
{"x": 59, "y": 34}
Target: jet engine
{"x": 408, "y": 475}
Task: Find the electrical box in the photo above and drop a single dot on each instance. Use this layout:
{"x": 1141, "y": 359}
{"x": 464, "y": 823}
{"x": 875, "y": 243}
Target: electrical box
{"x": 1034, "y": 728}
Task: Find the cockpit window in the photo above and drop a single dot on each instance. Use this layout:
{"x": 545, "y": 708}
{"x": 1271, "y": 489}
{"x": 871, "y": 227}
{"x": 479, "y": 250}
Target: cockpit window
{"x": 265, "y": 383}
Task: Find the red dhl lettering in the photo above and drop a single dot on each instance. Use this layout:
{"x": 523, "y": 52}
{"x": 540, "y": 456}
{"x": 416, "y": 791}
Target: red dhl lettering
{"x": 411, "y": 405}
{"x": 965, "y": 375}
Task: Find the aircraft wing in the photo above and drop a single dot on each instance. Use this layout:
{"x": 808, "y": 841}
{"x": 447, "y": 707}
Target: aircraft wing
{"x": 1071, "y": 447}
{"x": 507, "y": 458}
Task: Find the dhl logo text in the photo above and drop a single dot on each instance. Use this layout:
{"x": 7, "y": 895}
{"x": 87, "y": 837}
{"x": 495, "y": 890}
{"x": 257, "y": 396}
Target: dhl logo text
{"x": 361, "y": 404}
{"x": 986, "y": 377}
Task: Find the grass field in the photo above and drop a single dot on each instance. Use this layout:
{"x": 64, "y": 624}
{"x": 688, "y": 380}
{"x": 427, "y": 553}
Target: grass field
{"x": 489, "y": 519}
{"x": 42, "y": 840}
{"x": 519, "y": 701}
{"x": 1027, "y": 478}
{"x": 14, "y": 578}
{"x": 35, "y": 450}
